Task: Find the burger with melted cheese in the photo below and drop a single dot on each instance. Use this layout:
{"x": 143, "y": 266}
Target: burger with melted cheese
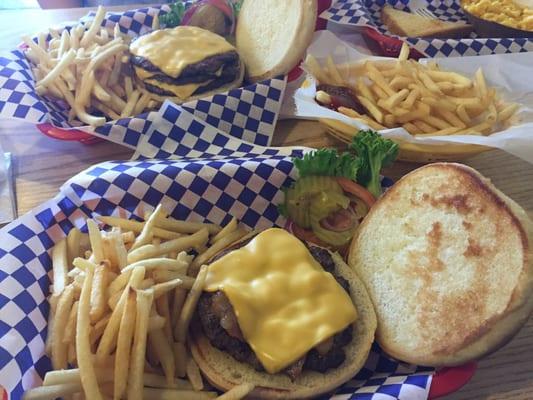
{"x": 185, "y": 63}
{"x": 290, "y": 318}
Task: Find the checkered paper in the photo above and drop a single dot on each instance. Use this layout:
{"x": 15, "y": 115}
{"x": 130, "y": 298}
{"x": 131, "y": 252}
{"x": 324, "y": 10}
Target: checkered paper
{"x": 207, "y": 175}
{"x": 366, "y": 13}
{"x": 249, "y": 113}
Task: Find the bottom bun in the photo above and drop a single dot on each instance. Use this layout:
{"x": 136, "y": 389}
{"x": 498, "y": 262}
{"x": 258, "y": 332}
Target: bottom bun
{"x": 224, "y": 372}
{"x": 177, "y": 100}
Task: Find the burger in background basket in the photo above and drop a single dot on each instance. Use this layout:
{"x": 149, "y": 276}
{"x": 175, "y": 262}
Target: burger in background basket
{"x": 101, "y": 76}
{"x": 185, "y": 63}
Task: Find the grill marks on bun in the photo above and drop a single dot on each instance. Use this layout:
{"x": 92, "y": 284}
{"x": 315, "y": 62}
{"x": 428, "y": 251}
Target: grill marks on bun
{"x": 446, "y": 258}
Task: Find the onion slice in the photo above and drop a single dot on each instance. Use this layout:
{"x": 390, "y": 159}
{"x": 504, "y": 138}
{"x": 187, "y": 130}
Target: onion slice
{"x": 340, "y": 221}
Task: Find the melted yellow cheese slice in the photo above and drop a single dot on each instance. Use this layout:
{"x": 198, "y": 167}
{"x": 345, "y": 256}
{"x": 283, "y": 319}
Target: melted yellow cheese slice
{"x": 181, "y": 91}
{"x": 143, "y": 74}
{"x": 171, "y": 50}
{"x": 284, "y": 301}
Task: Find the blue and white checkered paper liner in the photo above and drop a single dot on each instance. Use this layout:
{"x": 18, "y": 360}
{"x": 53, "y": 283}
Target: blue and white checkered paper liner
{"x": 176, "y": 133}
{"x": 366, "y": 13}
{"x": 249, "y": 113}
{"x": 205, "y": 183}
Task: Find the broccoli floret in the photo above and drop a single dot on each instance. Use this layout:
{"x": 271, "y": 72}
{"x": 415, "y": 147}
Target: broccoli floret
{"x": 375, "y": 152}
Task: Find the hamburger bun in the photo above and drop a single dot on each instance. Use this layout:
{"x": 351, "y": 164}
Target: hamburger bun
{"x": 224, "y": 372}
{"x": 273, "y": 35}
{"x": 447, "y": 260}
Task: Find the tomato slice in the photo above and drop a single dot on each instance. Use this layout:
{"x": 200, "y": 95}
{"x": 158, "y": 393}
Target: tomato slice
{"x": 357, "y": 190}
{"x": 307, "y": 235}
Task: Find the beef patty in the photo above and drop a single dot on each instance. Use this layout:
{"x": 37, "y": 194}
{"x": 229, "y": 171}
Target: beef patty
{"x": 219, "y": 324}
{"x": 218, "y": 70}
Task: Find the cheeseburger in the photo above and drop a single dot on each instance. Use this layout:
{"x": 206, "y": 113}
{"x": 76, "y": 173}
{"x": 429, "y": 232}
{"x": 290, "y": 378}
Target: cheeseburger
{"x": 185, "y": 62}
{"x": 293, "y": 320}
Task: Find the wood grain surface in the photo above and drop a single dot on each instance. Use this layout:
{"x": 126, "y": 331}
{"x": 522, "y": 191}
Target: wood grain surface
{"x": 42, "y": 165}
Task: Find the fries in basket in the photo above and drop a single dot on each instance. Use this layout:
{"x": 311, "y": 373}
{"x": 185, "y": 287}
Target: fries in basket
{"x": 121, "y": 308}
{"x": 88, "y": 68}
{"x": 421, "y": 98}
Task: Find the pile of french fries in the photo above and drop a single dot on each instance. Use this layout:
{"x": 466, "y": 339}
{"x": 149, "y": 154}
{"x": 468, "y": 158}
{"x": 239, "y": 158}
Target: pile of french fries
{"x": 121, "y": 303}
{"x": 421, "y": 98}
{"x": 88, "y": 68}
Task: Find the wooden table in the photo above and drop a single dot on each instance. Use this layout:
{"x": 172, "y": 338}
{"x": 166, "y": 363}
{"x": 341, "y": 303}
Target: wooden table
{"x": 43, "y": 164}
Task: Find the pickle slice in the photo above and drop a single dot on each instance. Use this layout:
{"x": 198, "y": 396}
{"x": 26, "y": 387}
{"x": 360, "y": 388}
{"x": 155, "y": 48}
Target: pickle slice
{"x": 299, "y": 196}
{"x": 321, "y": 207}
{"x": 298, "y": 208}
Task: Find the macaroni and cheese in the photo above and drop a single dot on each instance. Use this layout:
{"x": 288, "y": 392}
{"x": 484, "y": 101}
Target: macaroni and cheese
{"x": 505, "y": 12}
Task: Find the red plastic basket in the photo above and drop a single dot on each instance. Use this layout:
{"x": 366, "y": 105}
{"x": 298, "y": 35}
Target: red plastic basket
{"x": 386, "y": 46}
{"x": 67, "y": 134}
{"x": 449, "y": 380}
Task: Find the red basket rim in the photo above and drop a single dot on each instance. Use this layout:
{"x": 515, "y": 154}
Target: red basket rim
{"x": 449, "y": 380}
{"x": 67, "y": 134}
{"x": 389, "y": 46}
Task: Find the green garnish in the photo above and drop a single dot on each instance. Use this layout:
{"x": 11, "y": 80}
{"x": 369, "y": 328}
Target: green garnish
{"x": 369, "y": 153}
{"x": 375, "y": 153}
{"x": 327, "y": 162}
{"x": 317, "y": 195}
{"x": 236, "y": 5}
{"x": 282, "y": 208}
{"x": 174, "y": 16}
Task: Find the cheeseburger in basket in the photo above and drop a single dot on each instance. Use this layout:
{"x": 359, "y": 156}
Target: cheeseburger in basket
{"x": 187, "y": 62}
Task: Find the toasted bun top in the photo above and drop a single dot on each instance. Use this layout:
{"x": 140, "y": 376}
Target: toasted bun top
{"x": 446, "y": 258}
{"x": 273, "y": 35}
{"x": 224, "y": 372}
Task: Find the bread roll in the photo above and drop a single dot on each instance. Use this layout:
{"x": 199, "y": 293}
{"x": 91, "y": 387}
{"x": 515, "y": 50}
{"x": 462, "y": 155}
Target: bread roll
{"x": 446, "y": 258}
{"x": 273, "y": 35}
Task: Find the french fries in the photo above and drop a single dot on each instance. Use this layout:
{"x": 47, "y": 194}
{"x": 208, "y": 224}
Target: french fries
{"x": 122, "y": 326}
{"x": 83, "y": 345}
{"x": 59, "y": 263}
{"x": 125, "y": 337}
{"x": 59, "y": 350}
{"x": 88, "y": 69}
{"x": 418, "y": 97}
{"x": 98, "y": 292}
{"x": 144, "y": 301}
{"x": 196, "y": 240}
